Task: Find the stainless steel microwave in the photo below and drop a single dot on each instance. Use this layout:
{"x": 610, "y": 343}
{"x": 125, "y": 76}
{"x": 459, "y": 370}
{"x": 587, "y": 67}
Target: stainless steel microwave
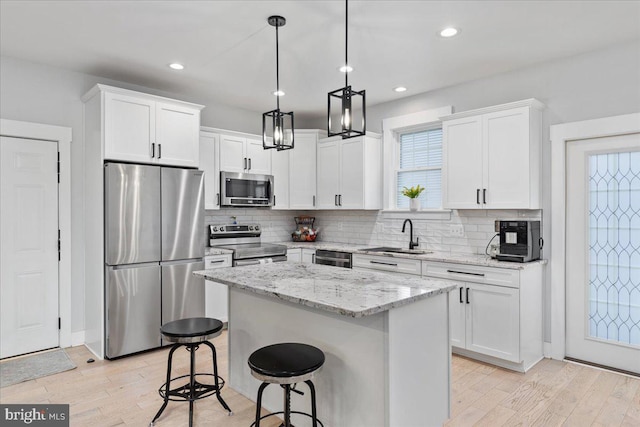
{"x": 246, "y": 189}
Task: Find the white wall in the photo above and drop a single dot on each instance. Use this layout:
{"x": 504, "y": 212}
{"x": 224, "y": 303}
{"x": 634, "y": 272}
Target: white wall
{"x": 42, "y": 94}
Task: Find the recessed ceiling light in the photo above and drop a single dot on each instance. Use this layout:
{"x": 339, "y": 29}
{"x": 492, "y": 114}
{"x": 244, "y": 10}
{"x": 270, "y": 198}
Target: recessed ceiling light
{"x": 448, "y": 32}
{"x": 346, "y": 69}
{"x": 400, "y": 89}
{"x": 278, "y": 92}
{"x": 176, "y": 66}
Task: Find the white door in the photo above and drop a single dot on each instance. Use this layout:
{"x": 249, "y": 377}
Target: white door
{"x": 462, "y": 157}
{"x": 457, "y": 317}
{"x": 177, "y": 132}
{"x": 352, "y": 173}
{"x": 302, "y": 173}
{"x": 209, "y": 165}
{"x": 328, "y": 174}
{"x": 280, "y": 172}
{"x": 259, "y": 159}
{"x": 29, "y": 246}
{"x": 603, "y": 251}
{"x": 129, "y": 128}
{"x": 232, "y": 155}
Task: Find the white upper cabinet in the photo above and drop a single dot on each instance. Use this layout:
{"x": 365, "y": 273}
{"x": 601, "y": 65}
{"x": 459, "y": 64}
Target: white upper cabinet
{"x": 349, "y": 174}
{"x": 209, "y": 148}
{"x": 294, "y": 172}
{"x": 492, "y": 157}
{"x": 244, "y": 154}
{"x": 144, "y": 128}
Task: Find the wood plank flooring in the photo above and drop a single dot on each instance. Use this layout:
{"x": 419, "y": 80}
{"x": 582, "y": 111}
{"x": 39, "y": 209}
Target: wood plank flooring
{"x": 125, "y": 392}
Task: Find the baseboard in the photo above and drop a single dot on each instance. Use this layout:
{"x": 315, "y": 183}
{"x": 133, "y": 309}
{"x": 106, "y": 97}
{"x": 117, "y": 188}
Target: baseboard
{"x": 77, "y": 338}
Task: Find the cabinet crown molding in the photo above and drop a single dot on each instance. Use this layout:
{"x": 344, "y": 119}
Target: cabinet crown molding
{"x": 531, "y": 102}
{"x": 112, "y": 89}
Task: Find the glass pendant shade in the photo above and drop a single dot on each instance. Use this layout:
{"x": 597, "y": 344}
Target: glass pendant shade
{"x": 277, "y": 130}
{"x": 346, "y": 108}
{"x": 277, "y": 126}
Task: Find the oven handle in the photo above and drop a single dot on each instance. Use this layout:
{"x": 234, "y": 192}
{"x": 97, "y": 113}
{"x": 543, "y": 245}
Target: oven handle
{"x": 325, "y": 258}
{"x": 254, "y": 261}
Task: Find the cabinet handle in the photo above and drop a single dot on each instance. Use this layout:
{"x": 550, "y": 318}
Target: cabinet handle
{"x": 461, "y": 296}
{"x": 274, "y": 200}
{"x": 159, "y": 151}
{"x": 477, "y": 196}
{"x": 249, "y": 163}
{"x": 335, "y": 200}
{"x": 245, "y": 163}
{"x": 217, "y": 199}
{"x": 484, "y": 196}
{"x": 467, "y": 295}
{"x": 339, "y": 199}
{"x": 466, "y": 272}
{"x": 314, "y": 200}
{"x": 393, "y": 264}
{"x": 153, "y": 150}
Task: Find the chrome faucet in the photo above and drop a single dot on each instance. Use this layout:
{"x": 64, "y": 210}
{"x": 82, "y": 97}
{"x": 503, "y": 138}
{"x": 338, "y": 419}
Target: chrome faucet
{"x": 412, "y": 244}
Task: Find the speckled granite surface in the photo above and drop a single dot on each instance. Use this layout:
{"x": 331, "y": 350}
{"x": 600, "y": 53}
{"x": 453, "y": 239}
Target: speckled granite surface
{"x": 216, "y": 251}
{"x": 480, "y": 260}
{"x": 348, "y": 292}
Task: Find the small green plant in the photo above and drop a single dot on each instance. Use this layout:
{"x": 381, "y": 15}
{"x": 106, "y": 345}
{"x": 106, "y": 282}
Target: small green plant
{"x": 412, "y": 192}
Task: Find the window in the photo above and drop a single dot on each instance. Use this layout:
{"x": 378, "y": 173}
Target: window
{"x": 420, "y": 163}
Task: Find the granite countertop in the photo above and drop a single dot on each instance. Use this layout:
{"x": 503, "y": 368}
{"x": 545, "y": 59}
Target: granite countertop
{"x": 353, "y": 293}
{"x": 479, "y": 260}
{"x": 208, "y": 251}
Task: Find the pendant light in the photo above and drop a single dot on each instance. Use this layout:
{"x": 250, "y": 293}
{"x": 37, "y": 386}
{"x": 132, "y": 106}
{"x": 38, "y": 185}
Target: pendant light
{"x": 277, "y": 127}
{"x": 346, "y": 106}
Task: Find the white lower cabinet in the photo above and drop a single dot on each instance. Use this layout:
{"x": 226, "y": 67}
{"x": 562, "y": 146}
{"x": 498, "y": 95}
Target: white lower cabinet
{"x": 301, "y": 255}
{"x": 496, "y": 314}
{"x": 386, "y": 263}
{"x": 216, "y": 294}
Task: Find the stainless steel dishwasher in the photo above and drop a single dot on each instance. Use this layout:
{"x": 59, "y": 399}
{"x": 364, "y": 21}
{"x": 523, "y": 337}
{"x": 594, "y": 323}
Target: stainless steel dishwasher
{"x": 335, "y": 258}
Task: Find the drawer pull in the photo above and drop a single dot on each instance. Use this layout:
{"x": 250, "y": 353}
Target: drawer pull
{"x": 216, "y": 261}
{"x": 467, "y": 295}
{"x": 461, "y": 296}
{"x": 466, "y": 272}
{"x": 393, "y": 264}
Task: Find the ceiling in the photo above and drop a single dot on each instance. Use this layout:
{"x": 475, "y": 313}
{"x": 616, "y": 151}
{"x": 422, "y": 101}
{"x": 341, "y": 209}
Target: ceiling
{"x": 228, "y": 48}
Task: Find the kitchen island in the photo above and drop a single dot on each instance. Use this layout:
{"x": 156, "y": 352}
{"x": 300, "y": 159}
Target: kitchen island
{"x": 385, "y": 338}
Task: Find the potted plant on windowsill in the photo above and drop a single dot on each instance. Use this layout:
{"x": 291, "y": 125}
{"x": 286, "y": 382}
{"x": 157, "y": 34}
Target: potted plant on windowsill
{"x": 413, "y": 193}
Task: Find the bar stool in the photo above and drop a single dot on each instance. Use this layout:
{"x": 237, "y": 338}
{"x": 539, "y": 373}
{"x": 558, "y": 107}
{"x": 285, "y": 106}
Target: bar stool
{"x": 191, "y": 333}
{"x": 286, "y": 364}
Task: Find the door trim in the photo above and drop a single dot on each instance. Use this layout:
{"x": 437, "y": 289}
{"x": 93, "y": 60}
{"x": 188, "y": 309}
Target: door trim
{"x": 61, "y": 135}
{"x": 560, "y": 135}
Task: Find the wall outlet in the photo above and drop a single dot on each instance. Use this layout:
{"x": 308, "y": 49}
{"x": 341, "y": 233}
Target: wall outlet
{"x": 456, "y": 230}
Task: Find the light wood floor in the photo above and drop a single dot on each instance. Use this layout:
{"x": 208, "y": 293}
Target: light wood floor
{"x": 124, "y": 392}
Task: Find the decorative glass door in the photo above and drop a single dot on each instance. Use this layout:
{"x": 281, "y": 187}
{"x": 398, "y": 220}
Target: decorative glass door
{"x": 603, "y": 251}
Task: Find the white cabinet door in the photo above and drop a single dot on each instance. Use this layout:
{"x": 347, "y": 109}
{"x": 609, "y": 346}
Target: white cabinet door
{"x": 280, "y": 170}
{"x": 457, "y": 317}
{"x": 308, "y": 256}
{"x": 294, "y": 255}
{"x": 328, "y": 182}
{"x": 232, "y": 154}
{"x": 177, "y": 129}
{"x": 302, "y": 172}
{"x": 129, "y": 128}
{"x": 351, "y": 194}
{"x": 209, "y": 165}
{"x": 493, "y": 321}
{"x": 506, "y": 159}
{"x": 463, "y": 155}
{"x": 258, "y": 159}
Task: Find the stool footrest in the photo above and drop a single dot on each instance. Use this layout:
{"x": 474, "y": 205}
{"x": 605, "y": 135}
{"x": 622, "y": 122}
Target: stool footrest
{"x": 183, "y": 393}
{"x": 282, "y": 413}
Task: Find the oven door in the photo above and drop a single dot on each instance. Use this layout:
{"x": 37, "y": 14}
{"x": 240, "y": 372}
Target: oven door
{"x": 246, "y": 189}
{"x": 254, "y": 261}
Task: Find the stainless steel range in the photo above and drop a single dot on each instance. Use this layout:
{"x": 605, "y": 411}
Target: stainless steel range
{"x": 244, "y": 241}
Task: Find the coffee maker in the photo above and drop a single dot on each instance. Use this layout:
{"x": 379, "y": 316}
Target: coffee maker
{"x": 520, "y": 241}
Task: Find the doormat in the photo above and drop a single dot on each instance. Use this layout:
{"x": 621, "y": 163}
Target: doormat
{"x": 25, "y": 368}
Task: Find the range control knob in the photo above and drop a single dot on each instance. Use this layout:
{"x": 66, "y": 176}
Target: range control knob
{"x": 221, "y": 228}
{"x": 257, "y": 227}
{"x": 215, "y": 229}
{"x": 251, "y": 228}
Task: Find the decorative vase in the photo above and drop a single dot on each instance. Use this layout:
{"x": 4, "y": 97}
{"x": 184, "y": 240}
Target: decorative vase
{"x": 414, "y": 204}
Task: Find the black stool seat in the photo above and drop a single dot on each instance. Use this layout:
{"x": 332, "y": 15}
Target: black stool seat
{"x": 191, "y": 330}
{"x": 286, "y": 360}
{"x": 286, "y": 364}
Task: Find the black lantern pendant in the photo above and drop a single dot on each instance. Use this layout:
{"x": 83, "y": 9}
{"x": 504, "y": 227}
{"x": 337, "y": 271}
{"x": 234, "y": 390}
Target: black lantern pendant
{"x": 277, "y": 127}
{"x": 346, "y": 108}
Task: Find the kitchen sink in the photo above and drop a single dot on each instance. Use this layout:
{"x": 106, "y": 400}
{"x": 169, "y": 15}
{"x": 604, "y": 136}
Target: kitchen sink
{"x": 387, "y": 249}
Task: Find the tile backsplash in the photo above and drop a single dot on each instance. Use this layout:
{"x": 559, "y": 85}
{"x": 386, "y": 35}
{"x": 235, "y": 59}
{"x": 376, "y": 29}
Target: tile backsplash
{"x": 378, "y": 228}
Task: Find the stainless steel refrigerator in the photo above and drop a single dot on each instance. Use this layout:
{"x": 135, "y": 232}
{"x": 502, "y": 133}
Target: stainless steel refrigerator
{"x": 154, "y": 240}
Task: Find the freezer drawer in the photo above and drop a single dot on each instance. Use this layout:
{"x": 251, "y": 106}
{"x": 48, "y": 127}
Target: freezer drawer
{"x": 133, "y": 319}
{"x": 183, "y": 235}
{"x": 132, "y": 213}
{"x": 182, "y": 293}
